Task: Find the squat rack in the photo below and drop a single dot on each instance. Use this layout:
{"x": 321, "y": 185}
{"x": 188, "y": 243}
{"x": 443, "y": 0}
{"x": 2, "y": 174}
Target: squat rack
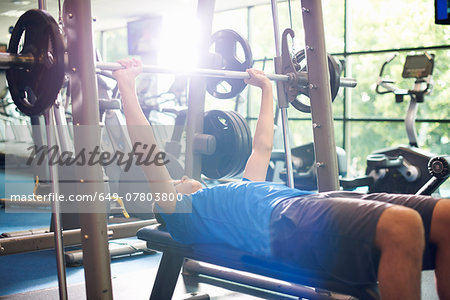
{"x": 77, "y": 15}
{"x": 322, "y": 123}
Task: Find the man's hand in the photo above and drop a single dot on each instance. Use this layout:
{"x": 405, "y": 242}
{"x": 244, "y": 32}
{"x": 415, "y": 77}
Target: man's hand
{"x": 258, "y": 78}
{"x": 126, "y": 77}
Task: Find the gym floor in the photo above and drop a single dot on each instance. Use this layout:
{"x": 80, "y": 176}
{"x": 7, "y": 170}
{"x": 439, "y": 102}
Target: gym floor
{"x": 33, "y": 275}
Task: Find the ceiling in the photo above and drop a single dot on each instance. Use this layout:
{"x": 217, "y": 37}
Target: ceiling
{"x": 110, "y": 13}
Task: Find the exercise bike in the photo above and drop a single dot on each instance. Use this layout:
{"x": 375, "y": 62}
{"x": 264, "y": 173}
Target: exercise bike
{"x": 404, "y": 169}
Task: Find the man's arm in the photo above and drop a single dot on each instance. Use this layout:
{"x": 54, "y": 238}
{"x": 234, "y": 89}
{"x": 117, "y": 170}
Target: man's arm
{"x": 140, "y": 131}
{"x": 258, "y": 162}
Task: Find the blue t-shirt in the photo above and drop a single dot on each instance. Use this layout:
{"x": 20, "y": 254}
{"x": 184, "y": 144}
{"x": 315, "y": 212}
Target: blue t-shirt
{"x": 237, "y": 214}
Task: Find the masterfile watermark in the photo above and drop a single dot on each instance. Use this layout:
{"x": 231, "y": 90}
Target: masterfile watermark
{"x": 140, "y": 154}
{"x": 92, "y": 169}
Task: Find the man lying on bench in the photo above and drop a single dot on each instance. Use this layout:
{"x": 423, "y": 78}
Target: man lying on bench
{"x": 357, "y": 238}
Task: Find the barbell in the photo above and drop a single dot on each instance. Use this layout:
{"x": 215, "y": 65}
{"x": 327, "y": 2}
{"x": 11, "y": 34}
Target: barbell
{"x": 9, "y": 60}
{"x": 35, "y": 71}
{"x": 300, "y": 80}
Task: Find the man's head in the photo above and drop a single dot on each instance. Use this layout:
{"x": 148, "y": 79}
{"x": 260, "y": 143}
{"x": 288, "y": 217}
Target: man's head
{"x": 187, "y": 185}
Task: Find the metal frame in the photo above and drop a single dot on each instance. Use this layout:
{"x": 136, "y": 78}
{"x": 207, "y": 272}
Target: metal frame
{"x": 72, "y": 237}
{"x": 320, "y": 95}
{"x": 283, "y": 103}
{"x": 77, "y": 16}
{"x": 56, "y": 208}
{"x": 322, "y": 124}
{"x": 197, "y": 93}
{"x": 53, "y": 175}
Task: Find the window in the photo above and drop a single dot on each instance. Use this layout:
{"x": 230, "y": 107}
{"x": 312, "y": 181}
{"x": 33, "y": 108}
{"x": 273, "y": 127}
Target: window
{"x": 362, "y": 34}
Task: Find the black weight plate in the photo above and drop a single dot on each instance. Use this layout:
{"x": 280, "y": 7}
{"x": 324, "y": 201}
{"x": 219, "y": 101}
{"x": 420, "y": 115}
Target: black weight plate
{"x": 35, "y": 89}
{"x": 218, "y": 164}
{"x": 233, "y": 158}
{"x": 244, "y": 143}
{"x": 335, "y": 79}
{"x": 225, "y": 45}
{"x": 249, "y": 135}
{"x": 244, "y": 154}
{"x": 335, "y": 76}
{"x": 241, "y": 137}
{"x": 249, "y": 144}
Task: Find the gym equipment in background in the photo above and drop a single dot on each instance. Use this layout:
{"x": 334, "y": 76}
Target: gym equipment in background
{"x": 404, "y": 169}
{"x": 439, "y": 169}
{"x": 305, "y": 167}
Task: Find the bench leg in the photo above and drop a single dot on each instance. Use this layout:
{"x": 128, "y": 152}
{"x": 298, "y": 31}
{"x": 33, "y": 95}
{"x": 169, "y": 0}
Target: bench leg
{"x": 167, "y": 276}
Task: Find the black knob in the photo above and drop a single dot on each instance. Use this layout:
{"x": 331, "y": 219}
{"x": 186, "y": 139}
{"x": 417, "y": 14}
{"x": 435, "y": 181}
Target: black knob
{"x": 439, "y": 166}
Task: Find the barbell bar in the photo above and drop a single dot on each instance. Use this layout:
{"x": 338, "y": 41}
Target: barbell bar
{"x": 301, "y": 78}
{"x": 10, "y": 60}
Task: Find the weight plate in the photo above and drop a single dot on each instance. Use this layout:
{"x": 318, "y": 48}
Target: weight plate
{"x": 335, "y": 76}
{"x": 225, "y": 44}
{"x": 299, "y": 61}
{"x": 244, "y": 154}
{"x": 248, "y": 143}
{"x": 248, "y": 149}
{"x": 241, "y": 137}
{"x": 35, "y": 89}
{"x": 219, "y": 164}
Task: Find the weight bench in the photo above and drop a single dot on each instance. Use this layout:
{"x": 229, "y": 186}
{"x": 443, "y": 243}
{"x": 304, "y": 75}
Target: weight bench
{"x": 174, "y": 253}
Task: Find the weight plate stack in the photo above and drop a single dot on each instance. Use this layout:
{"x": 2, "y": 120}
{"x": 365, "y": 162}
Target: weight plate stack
{"x": 233, "y": 144}
{"x": 240, "y": 143}
{"x": 246, "y": 141}
{"x": 219, "y": 164}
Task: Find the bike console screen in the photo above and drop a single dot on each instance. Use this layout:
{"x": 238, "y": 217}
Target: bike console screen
{"x": 418, "y": 66}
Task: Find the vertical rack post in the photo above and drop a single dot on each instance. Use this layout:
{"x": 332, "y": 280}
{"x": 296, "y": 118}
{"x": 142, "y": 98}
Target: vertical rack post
{"x": 85, "y": 111}
{"x": 320, "y": 96}
{"x": 197, "y": 92}
{"x": 56, "y": 208}
{"x": 283, "y": 103}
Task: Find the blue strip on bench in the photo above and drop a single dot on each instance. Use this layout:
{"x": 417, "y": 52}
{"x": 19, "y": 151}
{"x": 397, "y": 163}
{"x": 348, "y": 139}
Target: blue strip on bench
{"x": 159, "y": 239}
